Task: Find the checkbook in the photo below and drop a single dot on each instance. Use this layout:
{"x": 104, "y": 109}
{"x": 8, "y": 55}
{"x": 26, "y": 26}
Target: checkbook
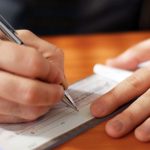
{"x": 62, "y": 123}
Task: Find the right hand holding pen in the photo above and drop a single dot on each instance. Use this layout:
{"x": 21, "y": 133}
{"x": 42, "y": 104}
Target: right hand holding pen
{"x": 30, "y": 78}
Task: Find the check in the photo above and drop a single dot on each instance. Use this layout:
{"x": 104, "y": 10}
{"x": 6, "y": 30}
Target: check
{"x": 62, "y": 123}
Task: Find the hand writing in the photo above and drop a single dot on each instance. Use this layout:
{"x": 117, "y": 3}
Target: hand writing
{"x": 29, "y": 77}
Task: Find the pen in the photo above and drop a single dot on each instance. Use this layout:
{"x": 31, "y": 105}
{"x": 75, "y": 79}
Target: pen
{"x": 11, "y": 34}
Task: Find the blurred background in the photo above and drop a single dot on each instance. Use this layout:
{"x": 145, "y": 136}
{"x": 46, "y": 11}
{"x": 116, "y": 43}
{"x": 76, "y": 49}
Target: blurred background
{"x": 53, "y": 17}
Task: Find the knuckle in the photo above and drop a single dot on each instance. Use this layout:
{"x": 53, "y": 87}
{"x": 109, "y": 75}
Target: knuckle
{"x": 55, "y": 49}
{"x": 129, "y": 115}
{"x": 112, "y": 99}
{"x": 114, "y": 94}
{"x": 134, "y": 81}
{"x": 35, "y": 64}
{"x": 30, "y": 94}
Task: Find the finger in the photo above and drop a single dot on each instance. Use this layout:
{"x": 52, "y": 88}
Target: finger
{"x": 49, "y": 51}
{"x": 127, "y": 90}
{"x": 142, "y": 133}
{"x": 132, "y": 57}
{"x": 28, "y": 113}
{"x": 33, "y": 40}
{"x": 11, "y": 119}
{"x": 26, "y": 61}
{"x": 136, "y": 113}
{"x": 29, "y": 92}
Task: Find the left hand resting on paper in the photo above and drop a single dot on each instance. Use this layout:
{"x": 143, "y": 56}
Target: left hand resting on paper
{"x": 137, "y": 115}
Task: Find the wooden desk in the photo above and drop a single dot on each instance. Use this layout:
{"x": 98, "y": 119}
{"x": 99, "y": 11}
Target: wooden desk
{"x": 81, "y": 53}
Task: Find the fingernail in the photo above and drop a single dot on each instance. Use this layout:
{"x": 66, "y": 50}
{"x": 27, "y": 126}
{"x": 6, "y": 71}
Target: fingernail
{"x": 116, "y": 125}
{"x": 145, "y": 129}
{"x": 142, "y": 133}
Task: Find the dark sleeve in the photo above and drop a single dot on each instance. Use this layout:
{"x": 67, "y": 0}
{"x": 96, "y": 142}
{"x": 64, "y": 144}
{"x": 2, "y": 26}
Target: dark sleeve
{"x": 144, "y": 19}
{"x": 14, "y": 11}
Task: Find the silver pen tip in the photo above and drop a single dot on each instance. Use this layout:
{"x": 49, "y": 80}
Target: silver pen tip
{"x": 70, "y": 101}
{"x": 76, "y": 109}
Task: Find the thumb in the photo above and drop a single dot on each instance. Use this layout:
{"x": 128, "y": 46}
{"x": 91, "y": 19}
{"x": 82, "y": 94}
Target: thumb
{"x": 131, "y": 58}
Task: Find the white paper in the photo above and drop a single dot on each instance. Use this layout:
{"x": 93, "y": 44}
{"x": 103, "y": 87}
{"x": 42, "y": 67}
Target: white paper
{"x": 144, "y": 64}
{"x": 61, "y": 119}
{"x": 109, "y": 72}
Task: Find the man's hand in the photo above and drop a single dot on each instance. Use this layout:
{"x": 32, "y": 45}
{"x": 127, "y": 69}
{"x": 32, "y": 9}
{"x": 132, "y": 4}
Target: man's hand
{"x": 30, "y": 78}
{"x": 137, "y": 115}
{"x": 132, "y": 57}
